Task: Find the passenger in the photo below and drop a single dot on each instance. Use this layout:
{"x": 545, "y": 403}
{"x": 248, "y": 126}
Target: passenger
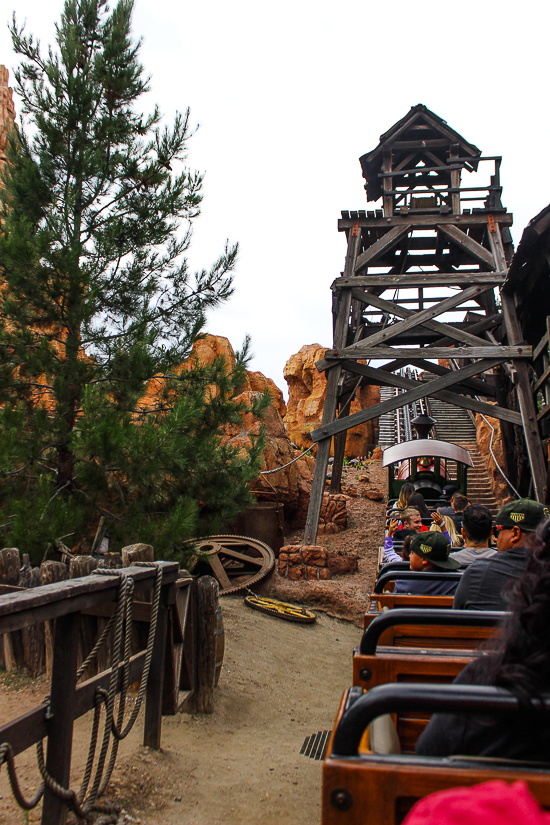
{"x": 448, "y": 526}
{"x": 459, "y": 502}
{"x": 412, "y": 524}
{"x": 484, "y": 582}
{"x": 429, "y": 553}
{"x": 408, "y": 497}
{"x": 477, "y": 528}
{"x": 520, "y": 663}
{"x": 407, "y": 490}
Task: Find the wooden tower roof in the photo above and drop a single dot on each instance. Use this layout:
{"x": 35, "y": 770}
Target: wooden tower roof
{"x": 419, "y": 136}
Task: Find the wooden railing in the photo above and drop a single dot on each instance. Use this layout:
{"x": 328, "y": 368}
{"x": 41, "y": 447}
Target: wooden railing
{"x": 66, "y": 602}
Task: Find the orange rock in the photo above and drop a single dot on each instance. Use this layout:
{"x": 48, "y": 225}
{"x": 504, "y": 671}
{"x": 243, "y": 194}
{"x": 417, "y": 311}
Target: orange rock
{"x": 324, "y": 574}
{"x": 316, "y": 556}
{"x": 483, "y": 438}
{"x": 312, "y": 573}
{"x": 291, "y": 485}
{"x": 307, "y": 387}
{"x": 342, "y": 565}
{"x": 296, "y": 574}
{"x": 377, "y": 454}
{"x": 374, "y": 494}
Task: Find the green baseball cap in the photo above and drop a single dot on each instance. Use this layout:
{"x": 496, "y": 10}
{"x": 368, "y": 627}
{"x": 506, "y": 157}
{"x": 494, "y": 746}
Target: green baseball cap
{"x": 523, "y": 513}
{"x": 434, "y": 547}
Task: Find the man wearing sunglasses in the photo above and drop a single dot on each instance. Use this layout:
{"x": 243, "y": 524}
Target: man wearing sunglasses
{"x": 483, "y": 583}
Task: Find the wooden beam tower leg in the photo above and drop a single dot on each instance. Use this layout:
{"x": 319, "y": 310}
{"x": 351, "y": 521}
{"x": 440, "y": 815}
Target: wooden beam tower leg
{"x": 62, "y": 710}
{"x": 321, "y": 460}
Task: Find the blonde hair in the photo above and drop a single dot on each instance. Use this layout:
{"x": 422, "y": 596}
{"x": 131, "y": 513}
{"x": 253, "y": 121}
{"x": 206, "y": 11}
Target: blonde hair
{"x": 405, "y": 493}
{"x": 409, "y": 513}
{"x": 449, "y": 526}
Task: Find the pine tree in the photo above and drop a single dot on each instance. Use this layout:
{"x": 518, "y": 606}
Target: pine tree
{"x": 97, "y": 299}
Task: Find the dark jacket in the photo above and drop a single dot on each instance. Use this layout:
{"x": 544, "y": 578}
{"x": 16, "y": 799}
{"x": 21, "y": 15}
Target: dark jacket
{"x": 514, "y": 737}
{"x": 484, "y": 583}
{"x": 429, "y": 587}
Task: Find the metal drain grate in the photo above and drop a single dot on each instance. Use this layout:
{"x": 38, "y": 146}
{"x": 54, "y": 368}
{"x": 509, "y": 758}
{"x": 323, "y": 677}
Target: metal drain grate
{"x": 315, "y": 746}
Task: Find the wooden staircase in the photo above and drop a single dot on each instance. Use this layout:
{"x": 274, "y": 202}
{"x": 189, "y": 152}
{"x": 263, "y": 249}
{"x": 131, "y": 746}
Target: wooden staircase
{"x": 454, "y": 424}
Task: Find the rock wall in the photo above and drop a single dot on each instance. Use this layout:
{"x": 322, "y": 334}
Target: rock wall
{"x": 483, "y": 438}
{"x": 292, "y": 485}
{"x": 306, "y": 391}
{"x": 7, "y": 112}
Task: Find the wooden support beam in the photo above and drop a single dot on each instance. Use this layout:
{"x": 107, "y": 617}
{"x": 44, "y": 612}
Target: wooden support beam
{"x": 418, "y": 318}
{"x": 381, "y": 353}
{"x": 381, "y": 246}
{"x": 409, "y": 280}
{"x": 394, "y": 308}
{"x": 525, "y": 400}
{"x": 540, "y": 346}
{"x": 62, "y": 713}
{"x": 425, "y": 221}
{"x": 463, "y": 241}
{"x": 420, "y": 390}
{"x": 331, "y": 398}
{"x": 468, "y": 386}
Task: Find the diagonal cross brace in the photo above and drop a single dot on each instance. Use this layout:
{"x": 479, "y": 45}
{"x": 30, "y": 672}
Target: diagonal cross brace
{"x": 381, "y": 246}
{"x": 389, "y": 379}
{"x": 480, "y": 253}
{"x": 418, "y": 318}
{"x": 420, "y": 390}
{"x": 401, "y": 312}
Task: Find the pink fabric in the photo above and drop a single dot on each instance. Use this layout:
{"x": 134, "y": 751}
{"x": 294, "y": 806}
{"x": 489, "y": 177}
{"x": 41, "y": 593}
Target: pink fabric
{"x": 491, "y": 803}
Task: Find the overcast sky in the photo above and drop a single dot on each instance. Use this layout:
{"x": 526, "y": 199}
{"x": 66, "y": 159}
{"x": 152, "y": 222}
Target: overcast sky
{"x": 289, "y": 95}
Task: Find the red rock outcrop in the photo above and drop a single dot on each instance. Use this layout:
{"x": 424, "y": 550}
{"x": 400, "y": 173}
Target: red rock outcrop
{"x": 7, "y": 112}
{"x": 483, "y": 438}
{"x": 306, "y": 391}
{"x": 334, "y": 514}
{"x": 291, "y": 485}
{"x": 299, "y": 563}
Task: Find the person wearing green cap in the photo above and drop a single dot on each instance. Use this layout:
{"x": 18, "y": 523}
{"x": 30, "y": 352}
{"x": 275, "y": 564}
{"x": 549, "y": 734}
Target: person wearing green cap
{"x": 484, "y": 583}
{"x": 429, "y": 554}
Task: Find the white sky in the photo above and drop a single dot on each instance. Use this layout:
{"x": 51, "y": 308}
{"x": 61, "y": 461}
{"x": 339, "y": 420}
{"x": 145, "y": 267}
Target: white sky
{"x": 289, "y": 95}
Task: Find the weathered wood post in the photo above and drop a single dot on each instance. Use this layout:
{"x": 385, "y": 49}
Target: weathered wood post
{"x": 61, "y": 716}
{"x": 155, "y": 682}
{"x": 207, "y": 625}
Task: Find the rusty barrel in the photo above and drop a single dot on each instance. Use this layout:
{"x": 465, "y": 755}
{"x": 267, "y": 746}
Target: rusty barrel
{"x": 263, "y": 521}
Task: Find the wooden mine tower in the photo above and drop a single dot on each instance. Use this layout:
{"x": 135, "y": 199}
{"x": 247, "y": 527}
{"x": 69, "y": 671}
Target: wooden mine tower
{"x": 424, "y": 256}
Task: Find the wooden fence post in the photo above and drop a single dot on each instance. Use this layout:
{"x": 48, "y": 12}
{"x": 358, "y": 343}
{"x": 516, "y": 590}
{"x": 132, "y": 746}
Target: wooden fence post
{"x": 62, "y": 709}
{"x": 155, "y": 683}
{"x": 207, "y": 625}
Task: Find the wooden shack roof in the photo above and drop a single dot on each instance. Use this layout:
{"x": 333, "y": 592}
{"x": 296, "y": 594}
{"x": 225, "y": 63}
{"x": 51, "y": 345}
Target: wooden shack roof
{"x": 436, "y": 136}
{"x": 529, "y": 277}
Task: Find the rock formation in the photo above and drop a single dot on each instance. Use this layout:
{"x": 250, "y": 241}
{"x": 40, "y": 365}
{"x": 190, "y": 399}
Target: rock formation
{"x": 291, "y": 485}
{"x": 7, "y": 113}
{"x": 483, "y": 438}
{"x": 306, "y": 391}
{"x": 334, "y": 514}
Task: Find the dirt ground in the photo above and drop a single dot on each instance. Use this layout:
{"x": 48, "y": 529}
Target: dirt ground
{"x": 280, "y": 683}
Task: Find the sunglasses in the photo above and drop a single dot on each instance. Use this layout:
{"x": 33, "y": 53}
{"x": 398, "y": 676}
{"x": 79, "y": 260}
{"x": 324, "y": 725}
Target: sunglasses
{"x": 497, "y": 528}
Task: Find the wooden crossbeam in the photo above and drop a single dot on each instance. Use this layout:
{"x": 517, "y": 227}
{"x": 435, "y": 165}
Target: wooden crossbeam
{"x": 409, "y": 280}
{"x": 381, "y": 378}
{"x": 395, "y": 309}
{"x": 425, "y": 221}
{"x": 470, "y": 384}
{"x": 382, "y": 353}
{"x": 381, "y": 246}
{"x": 419, "y": 390}
{"x": 418, "y": 318}
{"x": 468, "y": 244}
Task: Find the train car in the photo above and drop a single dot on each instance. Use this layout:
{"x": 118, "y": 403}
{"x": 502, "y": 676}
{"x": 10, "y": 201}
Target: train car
{"x": 429, "y": 465}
